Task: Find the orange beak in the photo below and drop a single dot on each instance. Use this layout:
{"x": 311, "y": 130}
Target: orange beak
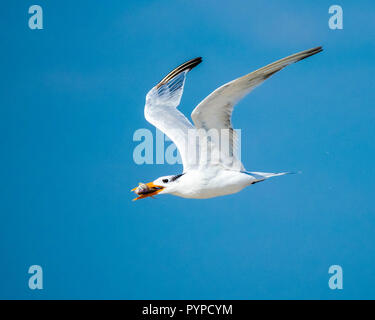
{"x": 145, "y": 190}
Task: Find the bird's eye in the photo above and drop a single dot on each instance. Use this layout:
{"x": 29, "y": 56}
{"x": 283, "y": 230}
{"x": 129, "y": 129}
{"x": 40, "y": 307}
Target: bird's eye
{"x": 165, "y": 180}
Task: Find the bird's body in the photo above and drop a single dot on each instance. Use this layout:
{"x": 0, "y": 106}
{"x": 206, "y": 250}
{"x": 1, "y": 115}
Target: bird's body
{"x": 209, "y": 148}
{"x": 213, "y": 181}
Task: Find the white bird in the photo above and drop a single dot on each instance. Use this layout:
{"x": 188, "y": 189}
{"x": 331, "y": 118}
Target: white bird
{"x": 211, "y": 166}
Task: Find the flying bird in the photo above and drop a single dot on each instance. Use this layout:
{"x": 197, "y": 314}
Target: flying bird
{"x": 209, "y": 148}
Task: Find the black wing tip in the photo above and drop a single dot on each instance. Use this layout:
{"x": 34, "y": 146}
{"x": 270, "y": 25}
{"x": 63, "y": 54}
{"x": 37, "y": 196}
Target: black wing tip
{"x": 311, "y": 52}
{"x": 188, "y": 65}
{"x": 194, "y": 62}
{"x": 316, "y": 50}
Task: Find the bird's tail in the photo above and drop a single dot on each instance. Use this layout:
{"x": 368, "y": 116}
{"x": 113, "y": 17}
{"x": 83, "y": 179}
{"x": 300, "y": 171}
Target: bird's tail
{"x": 261, "y": 176}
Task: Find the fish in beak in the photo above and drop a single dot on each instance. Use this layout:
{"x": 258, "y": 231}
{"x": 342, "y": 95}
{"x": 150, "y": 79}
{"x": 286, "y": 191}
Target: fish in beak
{"x": 145, "y": 190}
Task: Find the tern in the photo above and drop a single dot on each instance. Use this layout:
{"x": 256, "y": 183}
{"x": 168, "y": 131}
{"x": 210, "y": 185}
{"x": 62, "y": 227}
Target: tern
{"x": 211, "y": 168}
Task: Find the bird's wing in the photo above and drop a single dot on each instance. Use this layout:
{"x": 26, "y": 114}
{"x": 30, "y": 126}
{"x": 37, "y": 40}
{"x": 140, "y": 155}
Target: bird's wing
{"x": 161, "y": 108}
{"x": 215, "y": 111}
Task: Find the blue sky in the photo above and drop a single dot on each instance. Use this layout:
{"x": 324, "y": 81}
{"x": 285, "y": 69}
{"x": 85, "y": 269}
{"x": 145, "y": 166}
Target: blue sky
{"x": 72, "y": 95}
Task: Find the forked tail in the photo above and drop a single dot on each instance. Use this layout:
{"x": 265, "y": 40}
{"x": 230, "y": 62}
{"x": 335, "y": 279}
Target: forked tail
{"x": 261, "y": 176}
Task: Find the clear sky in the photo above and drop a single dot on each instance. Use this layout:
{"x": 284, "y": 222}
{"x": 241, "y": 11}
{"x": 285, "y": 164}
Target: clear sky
{"x": 72, "y": 95}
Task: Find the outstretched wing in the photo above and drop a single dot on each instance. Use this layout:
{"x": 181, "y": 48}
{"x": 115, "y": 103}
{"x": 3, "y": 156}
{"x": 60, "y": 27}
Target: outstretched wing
{"x": 161, "y": 108}
{"x": 215, "y": 111}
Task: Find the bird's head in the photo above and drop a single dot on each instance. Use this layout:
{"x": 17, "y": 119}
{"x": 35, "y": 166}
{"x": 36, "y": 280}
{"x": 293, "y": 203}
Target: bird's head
{"x": 161, "y": 185}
